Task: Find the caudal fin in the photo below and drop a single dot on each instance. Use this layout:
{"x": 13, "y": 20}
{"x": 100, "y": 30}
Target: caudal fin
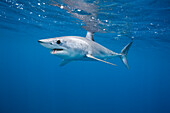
{"x": 123, "y": 54}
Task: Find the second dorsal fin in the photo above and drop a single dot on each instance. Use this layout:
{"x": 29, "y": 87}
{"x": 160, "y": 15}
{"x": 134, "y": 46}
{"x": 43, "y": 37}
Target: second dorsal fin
{"x": 89, "y": 35}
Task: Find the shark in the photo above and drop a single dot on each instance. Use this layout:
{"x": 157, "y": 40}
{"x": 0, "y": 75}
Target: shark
{"x": 76, "y": 48}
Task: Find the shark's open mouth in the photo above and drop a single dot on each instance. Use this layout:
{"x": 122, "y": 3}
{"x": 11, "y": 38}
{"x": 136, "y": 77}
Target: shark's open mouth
{"x": 54, "y": 51}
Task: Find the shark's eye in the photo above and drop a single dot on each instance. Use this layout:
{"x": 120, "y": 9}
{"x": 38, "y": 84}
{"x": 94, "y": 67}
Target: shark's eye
{"x": 58, "y": 41}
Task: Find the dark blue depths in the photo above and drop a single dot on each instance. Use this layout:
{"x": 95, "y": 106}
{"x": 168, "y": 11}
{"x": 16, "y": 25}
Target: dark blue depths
{"x": 32, "y": 82}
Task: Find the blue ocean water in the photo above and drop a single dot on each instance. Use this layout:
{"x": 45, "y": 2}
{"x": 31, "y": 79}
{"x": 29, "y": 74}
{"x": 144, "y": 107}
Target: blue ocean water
{"x": 32, "y": 82}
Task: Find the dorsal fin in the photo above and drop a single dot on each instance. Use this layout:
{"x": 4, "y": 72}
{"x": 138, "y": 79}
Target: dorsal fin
{"x": 89, "y": 35}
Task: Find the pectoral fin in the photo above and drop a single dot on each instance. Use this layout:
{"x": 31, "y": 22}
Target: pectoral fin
{"x": 90, "y": 56}
{"x": 64, "y": 62}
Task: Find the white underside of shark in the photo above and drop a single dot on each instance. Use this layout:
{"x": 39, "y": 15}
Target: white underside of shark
{"x": 73, "y": 48}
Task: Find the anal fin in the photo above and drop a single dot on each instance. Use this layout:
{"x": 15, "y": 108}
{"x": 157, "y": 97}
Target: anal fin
{"x": 90, "y": 56}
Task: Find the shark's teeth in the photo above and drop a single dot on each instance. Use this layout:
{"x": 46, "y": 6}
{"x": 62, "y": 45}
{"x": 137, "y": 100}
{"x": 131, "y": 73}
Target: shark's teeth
{"x": 54, "y": 51}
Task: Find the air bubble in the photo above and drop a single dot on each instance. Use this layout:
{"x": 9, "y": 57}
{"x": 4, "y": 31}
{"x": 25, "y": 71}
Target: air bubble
{"x": 61, "y": 7}
{"x": 116, "y": 38}
{"x": 39, "y": 4}
{"x": 156, "y": 32}
{"x": 78, "y": 10}
{"x": 148, "y": 28}
{"x": 20, "y": 6}
{"x": 92, "y": 17}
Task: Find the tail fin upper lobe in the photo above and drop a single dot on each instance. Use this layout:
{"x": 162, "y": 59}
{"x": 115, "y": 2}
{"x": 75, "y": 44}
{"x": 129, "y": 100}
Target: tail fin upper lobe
{"x": 123, "y": 54}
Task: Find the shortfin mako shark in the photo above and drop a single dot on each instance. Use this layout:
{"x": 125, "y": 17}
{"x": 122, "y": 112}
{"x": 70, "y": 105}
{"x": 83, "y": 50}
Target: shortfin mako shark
{"x": 73, "y": 48}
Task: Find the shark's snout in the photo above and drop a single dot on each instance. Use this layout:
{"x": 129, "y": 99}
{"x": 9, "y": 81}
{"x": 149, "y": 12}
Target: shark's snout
{"x": 52, "y": 44}
{"x": 45, "y": 43}
{"x": 41, "y": 41}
